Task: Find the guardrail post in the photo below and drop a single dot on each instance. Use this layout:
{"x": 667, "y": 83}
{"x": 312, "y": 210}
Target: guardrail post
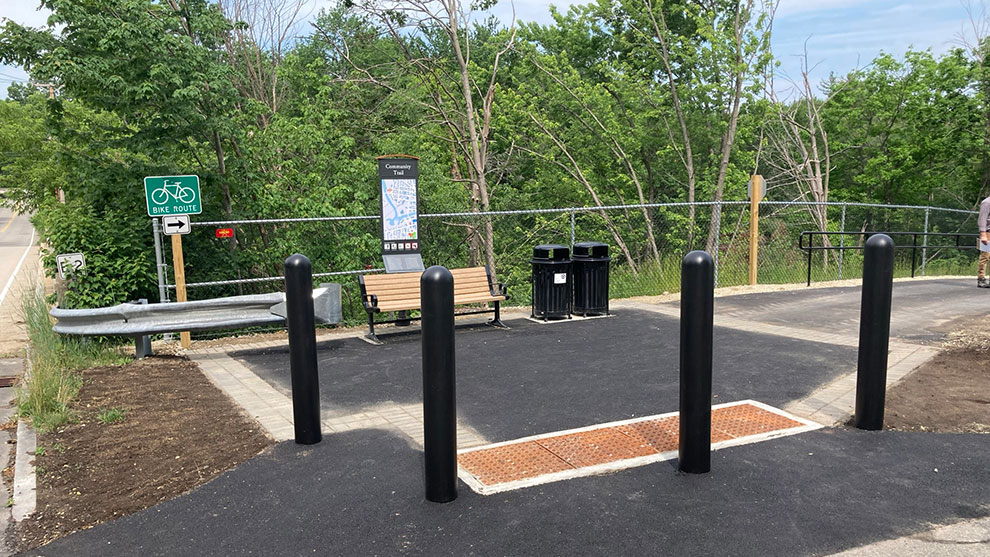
{"x": 697, "y": 312}
{"x": 874, "y": 332}
{"x": 142, "y": 344}
{"x": 439, "y": 402}
{"x": 302, "y": 349}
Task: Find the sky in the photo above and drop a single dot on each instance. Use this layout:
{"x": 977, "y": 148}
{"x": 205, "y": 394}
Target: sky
{"x": 838, "y": 35}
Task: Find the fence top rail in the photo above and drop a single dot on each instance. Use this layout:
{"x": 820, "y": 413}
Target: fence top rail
{"x": 271, "y": 279}
{"x": 274, "y": 221}
{"x": 593, "y": 209}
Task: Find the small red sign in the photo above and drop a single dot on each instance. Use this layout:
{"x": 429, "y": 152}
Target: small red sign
{"x": 225, "y": 232}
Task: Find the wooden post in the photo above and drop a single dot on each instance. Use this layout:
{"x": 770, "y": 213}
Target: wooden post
{"x": 756, "y": 191}
{"x": 180, "y": 281}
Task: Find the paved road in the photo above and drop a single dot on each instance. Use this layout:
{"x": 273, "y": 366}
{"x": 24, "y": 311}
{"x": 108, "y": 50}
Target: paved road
{"x": 921, "y": 310}
{"x": 18, "y": 254}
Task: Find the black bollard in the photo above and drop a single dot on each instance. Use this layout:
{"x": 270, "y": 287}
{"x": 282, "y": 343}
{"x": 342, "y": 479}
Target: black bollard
{"x": 302, "y": 349}
{"x": 874, "y": 332}
{"x": 697, "y": 302}
{"x": 439, "y": 403}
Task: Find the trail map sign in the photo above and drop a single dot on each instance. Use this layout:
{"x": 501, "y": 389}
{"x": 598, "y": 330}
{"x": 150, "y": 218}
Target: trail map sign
{"x": 399, "y": 180}
{"x": 400, "y": 218}
{"x": 172, "y": 195}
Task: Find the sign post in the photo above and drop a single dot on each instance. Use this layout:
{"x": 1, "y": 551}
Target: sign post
{"x": 172, "y": 197}
{"x": 399, "y": 179}
{"x": 757, "y": 189}
{"x": 180, "y": 282}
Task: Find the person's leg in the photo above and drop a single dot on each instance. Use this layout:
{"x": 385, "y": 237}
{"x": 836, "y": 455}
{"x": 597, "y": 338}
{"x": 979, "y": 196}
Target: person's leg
{"x": 981, "y": 268}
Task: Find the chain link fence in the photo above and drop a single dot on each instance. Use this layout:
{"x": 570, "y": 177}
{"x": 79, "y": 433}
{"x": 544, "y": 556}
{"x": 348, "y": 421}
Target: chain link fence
{"x": 647, "y": 243}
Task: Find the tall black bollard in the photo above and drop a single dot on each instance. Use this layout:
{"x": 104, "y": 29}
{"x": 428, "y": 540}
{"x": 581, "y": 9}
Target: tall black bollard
{"x": 439, "y": 403}
{"x": 302, "y": 349}
{"x": 874, "y": 332}
{"x": 697, "y": 295}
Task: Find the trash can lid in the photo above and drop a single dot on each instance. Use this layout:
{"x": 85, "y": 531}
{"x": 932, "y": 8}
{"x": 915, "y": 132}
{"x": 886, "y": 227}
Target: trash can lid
{"x": 551, "y": 251}
{"x": 586, "y": 250}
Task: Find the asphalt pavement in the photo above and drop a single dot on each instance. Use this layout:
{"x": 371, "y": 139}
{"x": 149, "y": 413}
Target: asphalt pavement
{"x": 360, "y": 492}
{"x": 536, "y": 378}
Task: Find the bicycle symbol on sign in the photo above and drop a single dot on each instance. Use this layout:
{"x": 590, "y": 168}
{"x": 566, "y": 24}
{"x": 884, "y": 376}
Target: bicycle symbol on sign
{"x": 175, "y": 191}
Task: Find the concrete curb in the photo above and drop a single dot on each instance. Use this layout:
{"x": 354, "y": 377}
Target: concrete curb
{"x": 25, "y": 481}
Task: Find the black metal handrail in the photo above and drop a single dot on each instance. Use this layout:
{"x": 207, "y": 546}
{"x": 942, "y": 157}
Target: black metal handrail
{"x": 811, "y": 248}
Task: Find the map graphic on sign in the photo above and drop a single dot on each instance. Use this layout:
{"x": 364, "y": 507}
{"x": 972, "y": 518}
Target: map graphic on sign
{"x": 399, "y": 220}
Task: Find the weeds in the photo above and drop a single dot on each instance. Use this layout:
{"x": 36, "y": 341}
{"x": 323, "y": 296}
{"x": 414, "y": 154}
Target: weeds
{"x": 111, "y": 415}
{"x": 52, "y": 381}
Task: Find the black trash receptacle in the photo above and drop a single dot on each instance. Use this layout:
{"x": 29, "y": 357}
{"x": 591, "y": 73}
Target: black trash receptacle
{"x": 551, "y": 282}
{"x": 589, "y": 267}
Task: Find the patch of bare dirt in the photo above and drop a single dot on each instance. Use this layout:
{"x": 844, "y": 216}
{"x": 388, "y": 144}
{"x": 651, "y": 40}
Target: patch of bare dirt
{"x": 951, "y": 392}
{"x": 176, "y": 431}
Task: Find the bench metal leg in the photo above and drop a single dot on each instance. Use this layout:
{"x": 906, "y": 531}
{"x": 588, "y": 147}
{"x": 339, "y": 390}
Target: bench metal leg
{"x": 371, "y": 330}
{"x": 497, "y": 320}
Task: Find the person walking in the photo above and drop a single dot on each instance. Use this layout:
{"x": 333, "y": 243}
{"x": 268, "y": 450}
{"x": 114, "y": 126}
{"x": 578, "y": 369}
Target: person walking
{"x": 984, "y": 245}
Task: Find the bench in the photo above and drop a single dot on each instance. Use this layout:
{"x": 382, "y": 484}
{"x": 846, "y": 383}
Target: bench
{"x": 399, "y": 292}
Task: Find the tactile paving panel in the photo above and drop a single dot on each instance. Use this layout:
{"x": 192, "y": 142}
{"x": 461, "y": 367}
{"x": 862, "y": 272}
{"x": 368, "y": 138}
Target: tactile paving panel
{"x": 529, "y": 459}
{"x": 660, "y": 434}
{"x": 597, "y": 446}
{"x": 745, "y": 420}
{"x": 509, "y": 463}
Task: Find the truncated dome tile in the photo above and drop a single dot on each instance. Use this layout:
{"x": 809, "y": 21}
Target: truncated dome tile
{"x": 509, "y": 463}
{"x": 660, "y": 434}
{"x": 745, "y": 420}
{"x": 597, "y": 446}
{"x": 613, "y": 446}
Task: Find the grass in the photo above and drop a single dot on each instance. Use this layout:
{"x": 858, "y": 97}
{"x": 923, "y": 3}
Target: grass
{"x": 113, "y": 415}
{"x": 53, "y": 362}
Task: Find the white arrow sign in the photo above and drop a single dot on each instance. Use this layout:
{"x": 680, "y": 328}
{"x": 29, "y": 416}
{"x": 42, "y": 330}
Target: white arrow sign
{"x": 176, "y": 224}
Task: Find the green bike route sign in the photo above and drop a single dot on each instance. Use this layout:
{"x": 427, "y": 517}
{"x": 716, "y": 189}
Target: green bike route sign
{"x": 172, "y": 195}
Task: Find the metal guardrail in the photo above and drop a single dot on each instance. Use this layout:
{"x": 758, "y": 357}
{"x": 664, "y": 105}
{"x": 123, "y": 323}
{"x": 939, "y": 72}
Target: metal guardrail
{"x": 232, "y": 312}
{"x": 914, "y": 247}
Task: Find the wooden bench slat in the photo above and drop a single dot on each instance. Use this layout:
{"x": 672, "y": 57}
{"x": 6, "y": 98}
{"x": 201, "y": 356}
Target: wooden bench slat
{"x": 401, "y": 292}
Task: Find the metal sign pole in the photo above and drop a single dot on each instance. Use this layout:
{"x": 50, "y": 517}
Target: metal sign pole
{"x": 159, "y": 265}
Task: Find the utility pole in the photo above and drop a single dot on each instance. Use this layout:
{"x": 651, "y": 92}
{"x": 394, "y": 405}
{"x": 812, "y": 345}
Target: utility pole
{"x": 51, "y": 88}
{"x": 59, "y": 192}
